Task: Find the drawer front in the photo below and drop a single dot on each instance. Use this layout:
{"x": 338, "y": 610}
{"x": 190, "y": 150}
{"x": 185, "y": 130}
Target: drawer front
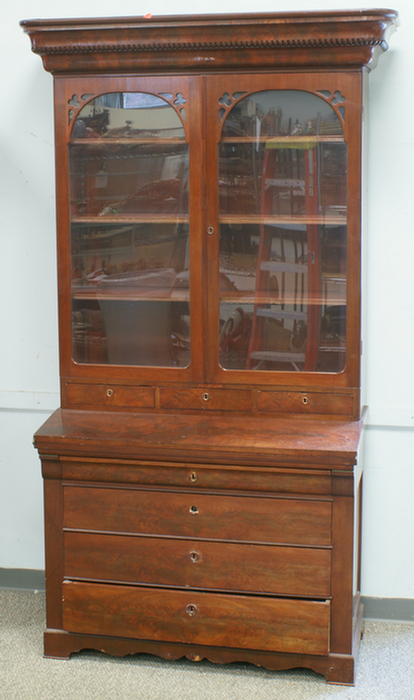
{"x": 298, "y": 481}
{"x": 194, "y": 515}
{"x": 291, "y": 571}
{"x": 338, "y": 404}
{"x": 109, "y": 395}
{"x": 206, "y": 399}
{"x": 247, "y": 622}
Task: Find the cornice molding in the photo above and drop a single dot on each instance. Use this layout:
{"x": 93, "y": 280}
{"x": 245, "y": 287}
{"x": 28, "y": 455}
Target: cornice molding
{"x": 215, "y": 42}
{"x": 209, "y": 45}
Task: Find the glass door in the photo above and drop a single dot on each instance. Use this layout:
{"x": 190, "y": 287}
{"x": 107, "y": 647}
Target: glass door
{"x": 282, "y": 164}
{"x": 129, "y": 232}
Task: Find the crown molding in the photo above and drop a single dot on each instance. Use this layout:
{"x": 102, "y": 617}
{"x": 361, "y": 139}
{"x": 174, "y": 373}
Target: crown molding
{"x": 212, "y": 42}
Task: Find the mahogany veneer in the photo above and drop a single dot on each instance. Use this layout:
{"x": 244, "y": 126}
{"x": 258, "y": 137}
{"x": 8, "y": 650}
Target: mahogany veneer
{"x": 208, "y": 508}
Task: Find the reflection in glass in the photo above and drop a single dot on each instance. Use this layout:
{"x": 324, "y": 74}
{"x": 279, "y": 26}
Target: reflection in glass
{"x": 129, "y": 233}
{"x": 282, "y": 209}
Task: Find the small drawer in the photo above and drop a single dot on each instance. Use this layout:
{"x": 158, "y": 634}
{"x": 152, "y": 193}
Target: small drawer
{"x": 212, "y": 619}
{"x": 206, "y": 399}
{"x": 181, "y": 563}
{"x": 109, "y": 396}
{"x": 305, "y": 402}
{"x": 197, "y": 515}
{"x": 198, "y": 476}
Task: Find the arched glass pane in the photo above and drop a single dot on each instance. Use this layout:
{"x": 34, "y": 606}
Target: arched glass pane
{"x": 128, "y": 161}
{"x": 283, "y": 216}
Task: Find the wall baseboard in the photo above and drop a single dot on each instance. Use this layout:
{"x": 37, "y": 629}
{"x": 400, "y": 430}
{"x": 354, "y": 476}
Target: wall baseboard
{"x": 25, "y": 579}
{"x": 397, "y": 609}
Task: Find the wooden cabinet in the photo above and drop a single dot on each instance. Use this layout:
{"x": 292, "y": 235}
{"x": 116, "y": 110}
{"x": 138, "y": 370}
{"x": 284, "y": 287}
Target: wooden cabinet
{"x": 202, "y": 490}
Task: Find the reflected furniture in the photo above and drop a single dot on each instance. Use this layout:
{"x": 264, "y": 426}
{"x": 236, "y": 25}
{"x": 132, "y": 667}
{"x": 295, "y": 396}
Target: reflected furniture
{"x": 202, "y": 477}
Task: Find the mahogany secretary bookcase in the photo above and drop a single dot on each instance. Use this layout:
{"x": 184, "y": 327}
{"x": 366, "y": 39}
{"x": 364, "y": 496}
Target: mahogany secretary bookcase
{"x": 202, "y": 489}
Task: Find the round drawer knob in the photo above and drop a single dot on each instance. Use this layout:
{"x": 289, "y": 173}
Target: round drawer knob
{"x": 191, "y": 609}
{"x": 109, "y": 393}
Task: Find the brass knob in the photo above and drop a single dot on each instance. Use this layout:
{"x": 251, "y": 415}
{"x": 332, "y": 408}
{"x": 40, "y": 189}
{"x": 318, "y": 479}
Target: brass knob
{"x": 109, "y": 393}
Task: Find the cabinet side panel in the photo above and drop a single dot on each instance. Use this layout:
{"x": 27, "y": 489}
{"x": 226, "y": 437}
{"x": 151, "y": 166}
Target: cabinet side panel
{"x": 54, "y": 554}
{"x": 342, "y": 565}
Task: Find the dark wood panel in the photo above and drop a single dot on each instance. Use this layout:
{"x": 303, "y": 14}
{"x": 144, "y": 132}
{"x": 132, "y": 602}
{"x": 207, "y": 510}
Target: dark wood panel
{"x": 251, "y": 519}
{"x": 299, "y": 481}
{"x": 249, "y": 622}
{"x": 194, "y": 564}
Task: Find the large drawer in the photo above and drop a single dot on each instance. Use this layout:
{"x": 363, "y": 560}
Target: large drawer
{"x": 247, "y": 622}
{"x": 198, "y": 564}
{"x": 193, "y": 515}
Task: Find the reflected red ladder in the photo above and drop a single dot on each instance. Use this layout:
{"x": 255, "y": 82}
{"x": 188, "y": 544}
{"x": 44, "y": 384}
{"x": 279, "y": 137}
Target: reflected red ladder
{"x": 265, "y": 266}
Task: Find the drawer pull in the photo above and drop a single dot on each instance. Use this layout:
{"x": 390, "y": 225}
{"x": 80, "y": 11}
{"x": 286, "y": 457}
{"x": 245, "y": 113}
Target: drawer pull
{"x": 191, "y": 610}
{"x": 109, "y": 393}
{"x": 193, "y": 510}
{"x": 193, "y": 477}
{"x": 194, "y": 556}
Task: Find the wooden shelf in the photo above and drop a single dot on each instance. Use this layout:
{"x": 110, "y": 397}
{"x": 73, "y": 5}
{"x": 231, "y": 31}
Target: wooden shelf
{"x": 147, "y": 218}
{"x": 252, "y": 298}
{"x": 286, "y": 141}
{"x": 284, "y": 219}
{"x": 128, "y": 141}
{"x": 129, "y": 294}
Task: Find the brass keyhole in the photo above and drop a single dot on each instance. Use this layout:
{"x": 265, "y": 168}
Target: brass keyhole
{"x": 210, "y": 231}
{"x": 206, "y": 397}
{"x": 191, "y": 610}
{"x": 193, "y": 510}
{"x": 305, "y": 400}
{"x": 109, "y": 392}
{"x": 194, "y": 556}
{"x": 193, "y": 477}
